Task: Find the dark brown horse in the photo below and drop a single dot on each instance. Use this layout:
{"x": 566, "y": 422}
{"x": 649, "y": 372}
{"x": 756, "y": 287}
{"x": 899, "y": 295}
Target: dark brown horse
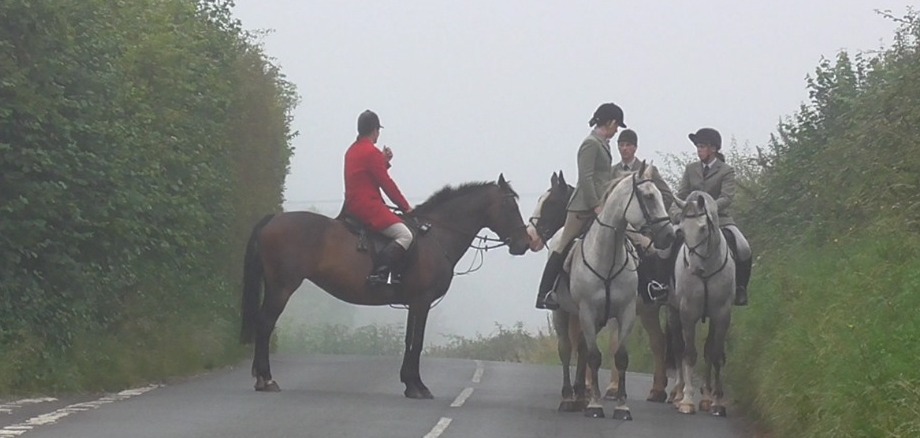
{"x": 286, "y": 248}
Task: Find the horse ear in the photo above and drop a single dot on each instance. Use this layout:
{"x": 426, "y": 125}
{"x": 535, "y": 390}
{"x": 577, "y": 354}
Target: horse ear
{"x": 701, "y": 203}
{"x": 642, "y": 168}
{"x": 680, "y": 202}
{"x": 501, "y": 180}
{"x": 561, "y": 179}
{"x": 553, "y": 180}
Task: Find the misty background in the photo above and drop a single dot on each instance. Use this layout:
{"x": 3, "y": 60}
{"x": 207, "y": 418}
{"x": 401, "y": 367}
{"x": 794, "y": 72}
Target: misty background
{"x": 469, "y": 90}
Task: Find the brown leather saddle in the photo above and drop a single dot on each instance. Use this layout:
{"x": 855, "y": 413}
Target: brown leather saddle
{"x": 373, "y": 242}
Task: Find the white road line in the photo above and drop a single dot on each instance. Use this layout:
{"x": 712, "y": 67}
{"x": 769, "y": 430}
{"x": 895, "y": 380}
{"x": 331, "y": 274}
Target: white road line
{"x": 7, "y": 408}
{"x": 439, "y": 428}
{"x": 477, "y": 376}
{"x": 465, "y": 394}
{"x": 53, "y": 417}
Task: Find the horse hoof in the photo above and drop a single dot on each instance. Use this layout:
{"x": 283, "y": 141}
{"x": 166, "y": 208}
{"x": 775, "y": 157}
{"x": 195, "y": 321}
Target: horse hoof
{"x": 569, "y": 406}
{"x": 267, "y": 386}
{"x": 686, "y": 408}
{"x": 657, "y": 396}
{"x": 705, "y": 405}
{"x": 718, "y": 411}
{"x": 611, "y": 394}
{"x": 418, "y": 394}
{"x": 594, "y": 412}
{"x": 622, "y": 414}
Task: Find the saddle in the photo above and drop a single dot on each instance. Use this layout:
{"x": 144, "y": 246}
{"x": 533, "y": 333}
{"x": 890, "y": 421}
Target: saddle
{"x": 373, "y": 242}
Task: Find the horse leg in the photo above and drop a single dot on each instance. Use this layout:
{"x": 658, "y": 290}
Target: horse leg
{"x": 415, "y": 336}
{"x": 706, "y": 390}
{"x": 272, "y": 306}
{"x": 675, "y": 342}
{"x": 581, "y": 365}
{"x": 614, "y": 386}
{"x": 648, "y": 314}
{"x": 718, "y": 333}
{"x": 564, "y": 347}
{"x": 688, "y": 362}
{"x": 589, "y": 329}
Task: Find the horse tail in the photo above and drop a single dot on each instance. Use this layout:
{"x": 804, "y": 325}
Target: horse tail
{"x": 252, "y": 283}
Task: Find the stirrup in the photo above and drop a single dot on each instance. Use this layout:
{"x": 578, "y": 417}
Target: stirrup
{"x": 657, "y": 292}
{"x": 549, "y": 302}
{"x": 379, "y": 279}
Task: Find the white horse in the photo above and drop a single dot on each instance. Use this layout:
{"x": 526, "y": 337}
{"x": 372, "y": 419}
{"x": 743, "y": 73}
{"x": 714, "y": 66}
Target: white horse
{"x": 704, "y": 287}
{"x": 602, "y": 279}
{"x": 545, "y": 229}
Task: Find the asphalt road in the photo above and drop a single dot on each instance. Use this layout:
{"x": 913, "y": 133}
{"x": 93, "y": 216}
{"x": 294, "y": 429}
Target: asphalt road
{"x": 351, "y": 396}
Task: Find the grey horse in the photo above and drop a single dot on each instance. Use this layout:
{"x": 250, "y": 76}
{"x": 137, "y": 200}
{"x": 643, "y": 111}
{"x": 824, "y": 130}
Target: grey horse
{"x": 601, "y": 282}
{"x": 704, "y": 287}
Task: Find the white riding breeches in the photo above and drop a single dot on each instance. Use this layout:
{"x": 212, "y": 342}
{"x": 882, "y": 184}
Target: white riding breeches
{"x": 400, "y": 233}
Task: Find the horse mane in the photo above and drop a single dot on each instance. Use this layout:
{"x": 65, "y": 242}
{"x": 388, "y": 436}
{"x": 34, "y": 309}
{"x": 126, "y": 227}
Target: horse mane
{"x": 448, "y": 193}
{"x": 613, "y": 183}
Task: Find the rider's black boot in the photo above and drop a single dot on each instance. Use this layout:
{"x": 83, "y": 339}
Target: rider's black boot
{"x": 742, "y": 276}
{"x": 387, "y": 269}
{"x": 550, "y": 272}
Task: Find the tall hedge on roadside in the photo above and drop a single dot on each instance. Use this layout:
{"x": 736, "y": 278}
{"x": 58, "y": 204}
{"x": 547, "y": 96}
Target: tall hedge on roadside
{"x": 828, "y": 346}
{"x": 138, "y": 141}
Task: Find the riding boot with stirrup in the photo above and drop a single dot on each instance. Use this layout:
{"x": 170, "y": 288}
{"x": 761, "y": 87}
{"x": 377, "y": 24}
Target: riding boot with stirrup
{"x": 742, "y": 276}
{"x": 550, "y": 272}
{"x": 387, "y": 262}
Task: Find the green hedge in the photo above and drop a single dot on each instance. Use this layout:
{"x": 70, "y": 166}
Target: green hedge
{"x": 138, "y": 142}
{"x": 828, "y": 347}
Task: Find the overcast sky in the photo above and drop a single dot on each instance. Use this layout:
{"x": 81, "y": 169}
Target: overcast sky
{"x": 470, "y": 89}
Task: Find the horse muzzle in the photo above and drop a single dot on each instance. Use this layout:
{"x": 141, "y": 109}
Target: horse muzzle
{"x": 664, "y": 235}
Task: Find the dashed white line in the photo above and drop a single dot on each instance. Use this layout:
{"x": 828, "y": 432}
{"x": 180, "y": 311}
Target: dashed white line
{"x": 7, "y": 408}
{"x": 465, "y": 394}
{"x": 439, "y": 428}
{"x": 53, "y": 417}
{"x": 477, "y": 375}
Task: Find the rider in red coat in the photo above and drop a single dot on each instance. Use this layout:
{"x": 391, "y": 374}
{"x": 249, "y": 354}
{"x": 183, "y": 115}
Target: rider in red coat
{"x": 365, "y": 175}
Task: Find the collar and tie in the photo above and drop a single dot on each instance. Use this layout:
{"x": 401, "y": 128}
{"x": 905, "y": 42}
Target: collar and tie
{"x": 705, "y": 170}
{"x": 625, "y": 167}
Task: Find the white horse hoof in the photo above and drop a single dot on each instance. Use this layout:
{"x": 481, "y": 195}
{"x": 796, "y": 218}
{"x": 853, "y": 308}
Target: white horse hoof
{"x": 686, "y": 408}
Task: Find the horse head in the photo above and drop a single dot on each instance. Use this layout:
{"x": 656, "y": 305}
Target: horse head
{"x": 651, "y": 214}
{"x": 699, "y": 219}
{"x": 549, "y": 214}
{"x": 504, "y": 218}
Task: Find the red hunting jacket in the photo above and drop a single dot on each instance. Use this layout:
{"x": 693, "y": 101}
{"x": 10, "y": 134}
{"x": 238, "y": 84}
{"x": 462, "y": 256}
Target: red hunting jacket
{"x": 365, "y": 174}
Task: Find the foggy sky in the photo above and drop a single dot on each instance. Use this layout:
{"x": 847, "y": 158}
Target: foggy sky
{"x": 467, "y": 90}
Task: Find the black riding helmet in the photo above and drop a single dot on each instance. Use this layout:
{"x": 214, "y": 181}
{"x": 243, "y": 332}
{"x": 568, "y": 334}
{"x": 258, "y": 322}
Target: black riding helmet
{"x": 368, "y": 122}
{"x": 707, "y": 136}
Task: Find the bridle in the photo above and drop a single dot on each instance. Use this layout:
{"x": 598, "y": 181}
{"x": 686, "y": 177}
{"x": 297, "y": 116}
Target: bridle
{"x": 649, "y": 224}
{"x": 481, "y": 243}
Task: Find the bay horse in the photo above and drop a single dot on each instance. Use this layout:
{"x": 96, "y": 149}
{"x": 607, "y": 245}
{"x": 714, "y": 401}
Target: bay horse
{"x": 544, "y": 228}
{"x": 704, "y": 287}
{"x": 287, "y": 248}
{"x": 602, "y": 282}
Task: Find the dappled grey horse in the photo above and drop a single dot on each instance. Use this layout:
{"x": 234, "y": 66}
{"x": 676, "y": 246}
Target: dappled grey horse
{"x": 602, "y": 280}
{"x": 704, "y": 287}
{"x": 545, "y": 229}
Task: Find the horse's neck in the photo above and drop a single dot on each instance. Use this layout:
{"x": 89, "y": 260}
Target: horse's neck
{"x": 457, "y": 225}
{"x": 606, "y": 238}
